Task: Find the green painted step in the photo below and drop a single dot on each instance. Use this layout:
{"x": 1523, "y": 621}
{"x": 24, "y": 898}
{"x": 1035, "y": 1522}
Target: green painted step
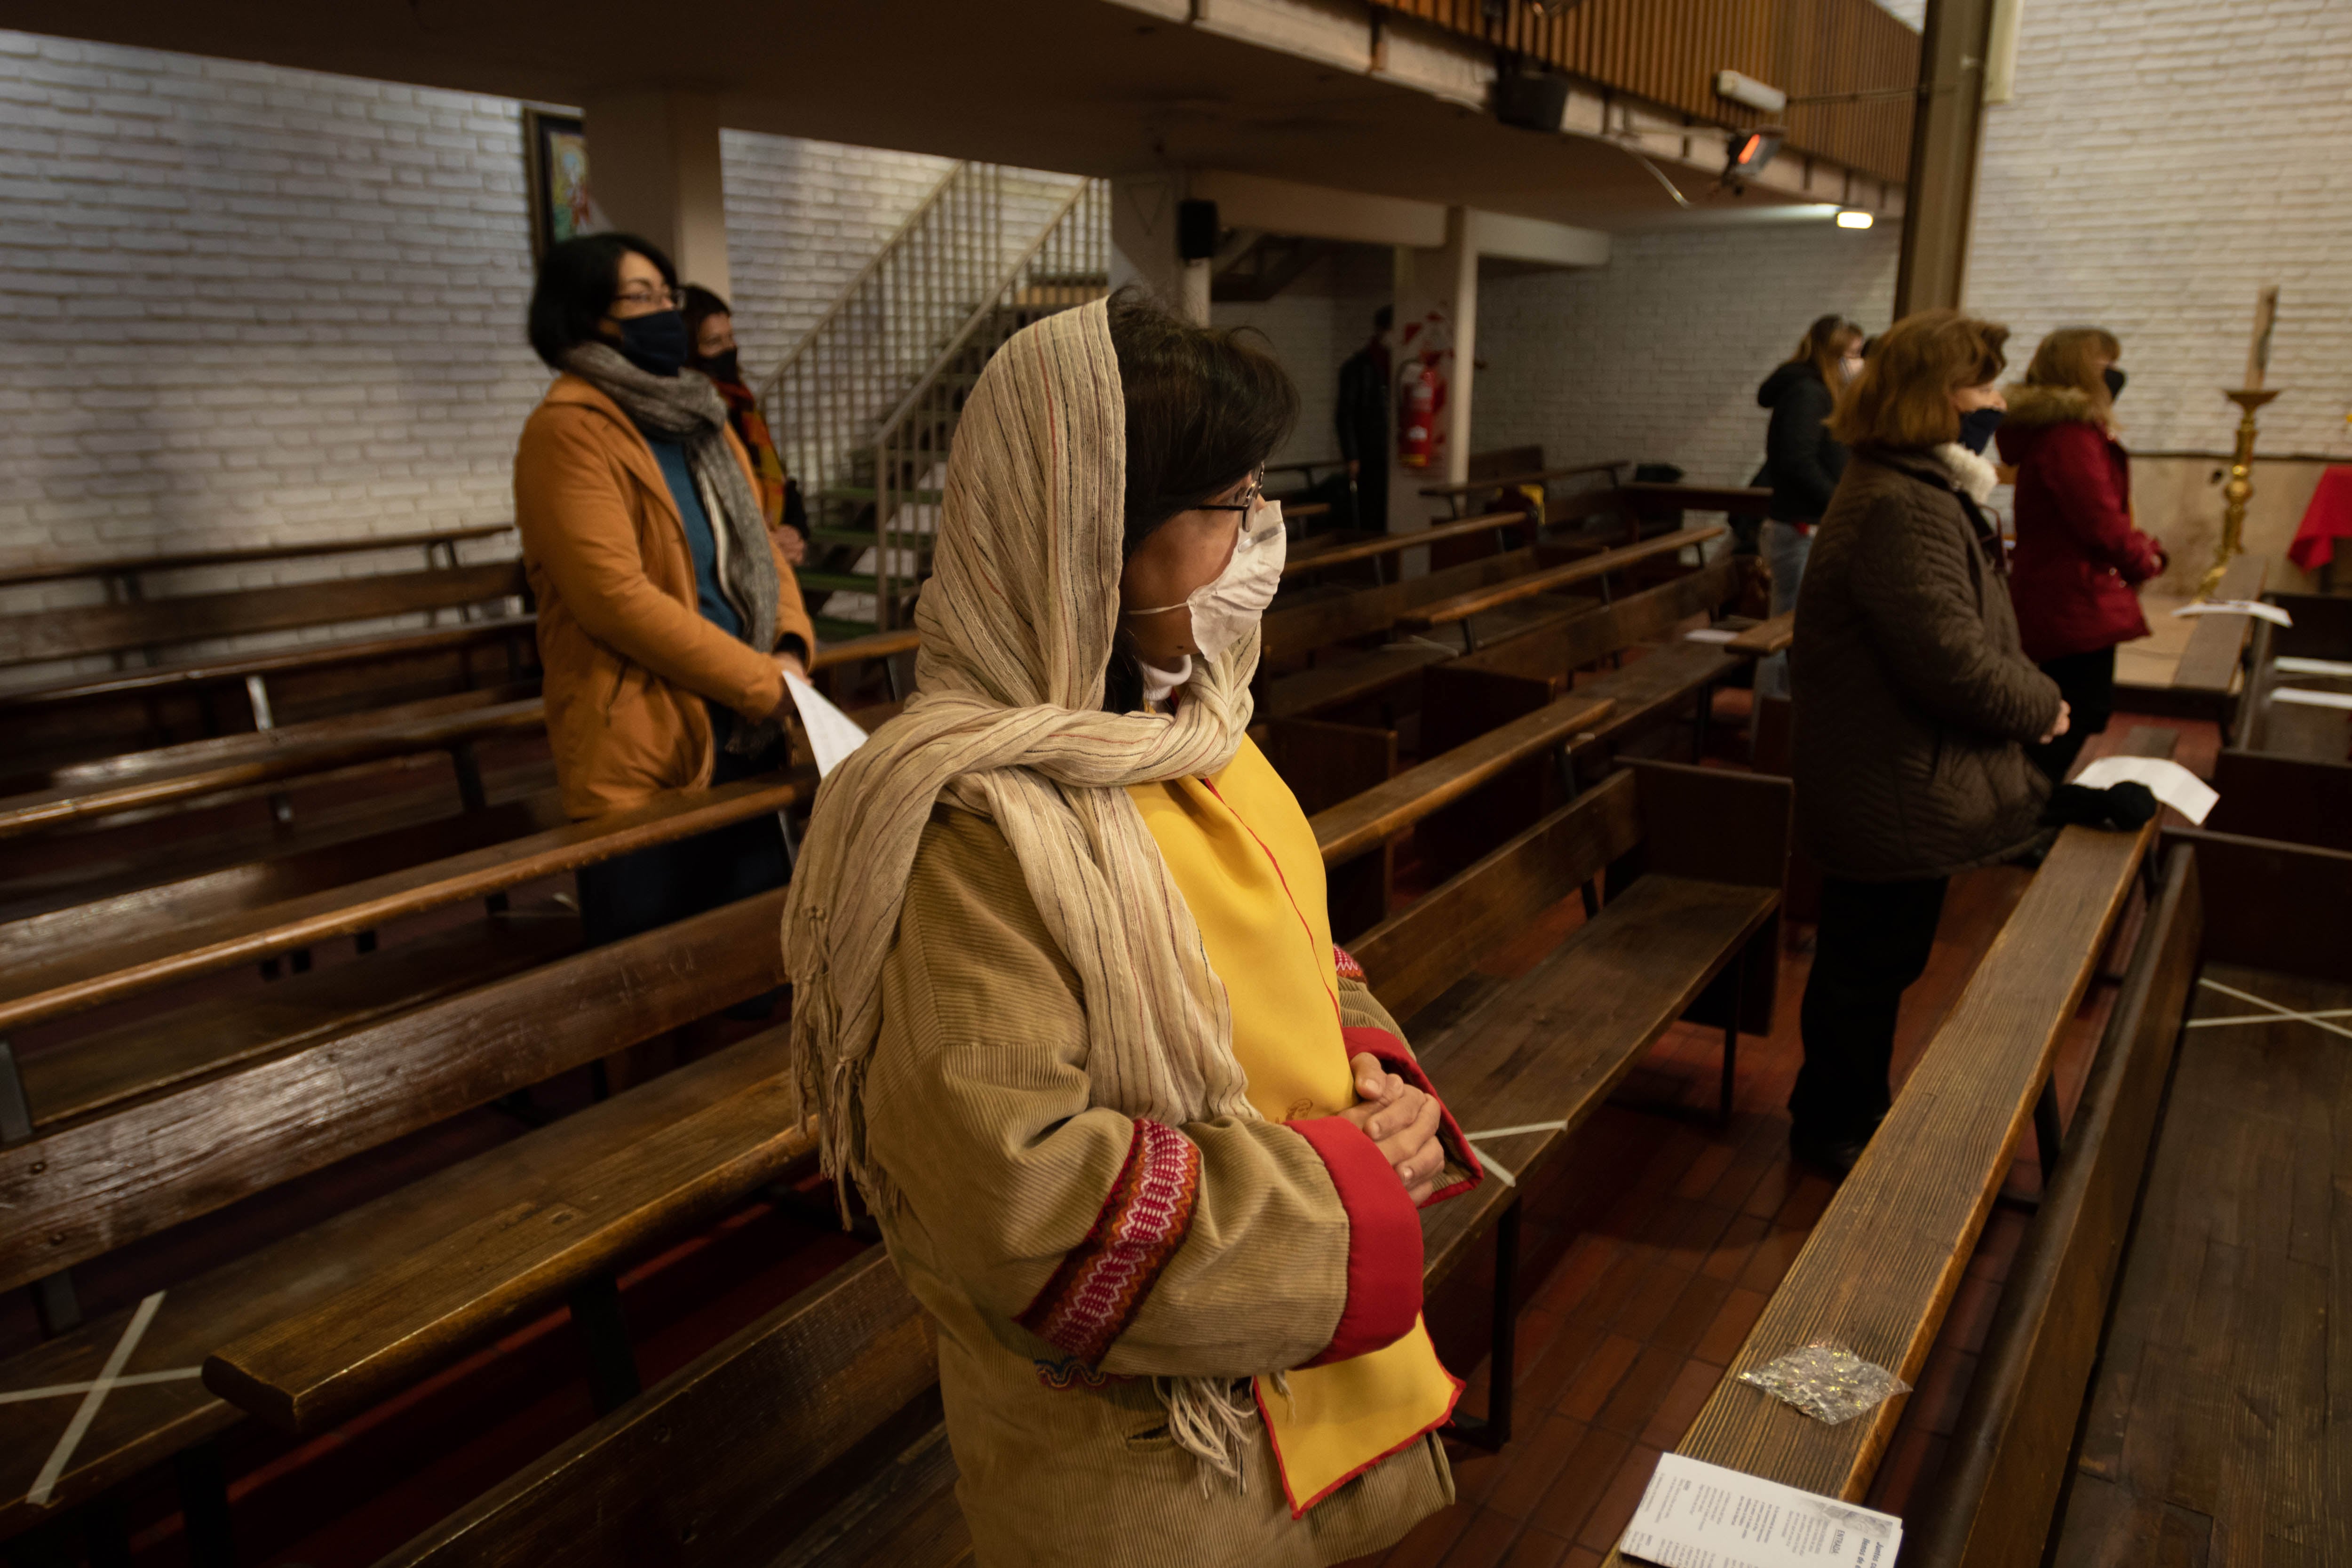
{"x": 834, "y": 582}
{"x": 830, "y": 630}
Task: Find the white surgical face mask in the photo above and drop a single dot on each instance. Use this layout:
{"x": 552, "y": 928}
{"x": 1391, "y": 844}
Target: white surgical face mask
{"x": 1226, "y": 608}
{"x": 1852, "y": 364}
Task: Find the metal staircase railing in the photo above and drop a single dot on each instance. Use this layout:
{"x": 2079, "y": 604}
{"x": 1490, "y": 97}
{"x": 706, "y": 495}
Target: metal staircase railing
{"x": 867, "y": 397}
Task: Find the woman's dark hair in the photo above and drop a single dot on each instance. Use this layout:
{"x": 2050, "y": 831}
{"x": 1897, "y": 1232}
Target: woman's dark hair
{"x": 1204, "y": 407}
{"x": 1824, "y": 343}
{"x": 1902, "y": 401}
{"x": 700, "y": 305}
{"x": 577, "y": 280}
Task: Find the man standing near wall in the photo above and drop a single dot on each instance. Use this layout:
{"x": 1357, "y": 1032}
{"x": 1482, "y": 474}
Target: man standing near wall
{"x": 1362, "y": 416}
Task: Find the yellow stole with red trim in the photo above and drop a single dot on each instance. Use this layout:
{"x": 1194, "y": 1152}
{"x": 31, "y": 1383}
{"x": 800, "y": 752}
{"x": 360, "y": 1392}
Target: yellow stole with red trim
{"x": 1244, "y": 856}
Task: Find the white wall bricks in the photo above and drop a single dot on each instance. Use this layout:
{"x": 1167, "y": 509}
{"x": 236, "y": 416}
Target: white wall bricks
{"x": 2162, "y": 160}
{"x": 1656, "y": 357}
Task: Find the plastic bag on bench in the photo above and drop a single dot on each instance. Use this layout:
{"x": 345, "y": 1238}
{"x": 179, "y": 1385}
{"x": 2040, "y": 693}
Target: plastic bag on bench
{"x": 1826, "y": 1381}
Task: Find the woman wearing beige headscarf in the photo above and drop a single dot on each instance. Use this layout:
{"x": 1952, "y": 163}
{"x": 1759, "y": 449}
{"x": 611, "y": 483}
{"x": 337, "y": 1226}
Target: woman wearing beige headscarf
{"x": 1065, "y": 997}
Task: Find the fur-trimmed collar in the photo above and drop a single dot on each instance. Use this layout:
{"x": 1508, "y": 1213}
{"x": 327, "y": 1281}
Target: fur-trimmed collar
{"x": 1969, "y": 472}
{"x": 2031, "y": 407}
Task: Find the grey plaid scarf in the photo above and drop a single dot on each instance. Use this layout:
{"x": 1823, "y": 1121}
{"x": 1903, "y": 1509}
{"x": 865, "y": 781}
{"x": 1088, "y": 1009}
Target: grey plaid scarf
{"x": 686, "y": 409}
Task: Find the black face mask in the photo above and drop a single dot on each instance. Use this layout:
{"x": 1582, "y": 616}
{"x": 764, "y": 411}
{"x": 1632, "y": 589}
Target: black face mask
{"x": 655, "y": 342}
{"x": 1977, "y": 426}
{"x": 720, "y": 366}
{"x": 2115, "y": 379}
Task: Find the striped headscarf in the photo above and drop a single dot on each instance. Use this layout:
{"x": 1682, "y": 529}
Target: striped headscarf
{"x": 1017, "y": 626}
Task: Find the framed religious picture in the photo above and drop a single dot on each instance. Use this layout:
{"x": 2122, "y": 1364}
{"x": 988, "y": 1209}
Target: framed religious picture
{"x": 555, "y": 156}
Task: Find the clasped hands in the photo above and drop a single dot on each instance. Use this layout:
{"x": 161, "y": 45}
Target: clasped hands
{"x": 1402, "y": 1121}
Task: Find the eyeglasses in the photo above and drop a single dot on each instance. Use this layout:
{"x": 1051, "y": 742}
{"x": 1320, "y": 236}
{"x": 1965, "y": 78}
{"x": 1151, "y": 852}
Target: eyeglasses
{"x": 659, "y": 300}
{"x": 1247, "y": 502}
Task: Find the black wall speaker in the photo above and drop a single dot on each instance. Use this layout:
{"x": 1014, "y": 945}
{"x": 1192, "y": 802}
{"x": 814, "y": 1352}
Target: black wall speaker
{"x": 1196, "y": 230}
{"x": 1531, "y": 102}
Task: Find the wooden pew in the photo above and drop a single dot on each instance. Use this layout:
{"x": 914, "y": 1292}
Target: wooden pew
{"x": 1457, "y": 495}
{"x": 716, "y": 1457}
{"x": 122, "y": 574}
{"x": 2287, "y": 771}
{"x": 198, "y": 770}
{"x": 1459, "y": 609}
{"x": 1502, "y": 525}
{"x": 1358, "y": 834}
{"x": 42, "y": 635}
{"x": 2208, "y": 672}
{"x": 76, "y": 981}
{"x": 1879, "y": 1270}
{"x": 409, "y": 1280}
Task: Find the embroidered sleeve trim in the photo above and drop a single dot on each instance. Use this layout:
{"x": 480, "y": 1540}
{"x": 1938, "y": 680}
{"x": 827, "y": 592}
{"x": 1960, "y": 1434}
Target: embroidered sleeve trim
{"x": 1345, "y": 963}
{"x": 1100, "y": 1283}
{"x": 1391, "y": 1054}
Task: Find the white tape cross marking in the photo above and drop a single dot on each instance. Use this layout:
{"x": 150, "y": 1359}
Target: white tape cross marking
{"x": 2284, "y": 1015}
{"x": 46, "y": 1481}
{"x": 127, "y": 1380}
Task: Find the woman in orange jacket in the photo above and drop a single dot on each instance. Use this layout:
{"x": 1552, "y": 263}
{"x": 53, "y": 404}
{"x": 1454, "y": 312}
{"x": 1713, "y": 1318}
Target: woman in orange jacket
{"x": 666, "y": 613}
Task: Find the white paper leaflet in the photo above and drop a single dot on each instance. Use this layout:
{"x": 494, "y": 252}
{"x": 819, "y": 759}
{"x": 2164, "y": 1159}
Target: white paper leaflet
{"x": 1711, "y": 633}
{"x": 2271, "y": 613}
{"x": 2171, "y": 783}
{"x": 2289, "y": 665}
{"x": 832, "y": 735}
{"x": 1697, "y": 1515}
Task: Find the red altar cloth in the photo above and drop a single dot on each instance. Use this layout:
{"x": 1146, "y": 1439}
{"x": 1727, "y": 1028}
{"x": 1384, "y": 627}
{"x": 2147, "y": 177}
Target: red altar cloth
{"x": 2327, "y": 519}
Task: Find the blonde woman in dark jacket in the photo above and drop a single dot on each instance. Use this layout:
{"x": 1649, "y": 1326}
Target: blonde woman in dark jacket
{"x": 1914, "y": 704}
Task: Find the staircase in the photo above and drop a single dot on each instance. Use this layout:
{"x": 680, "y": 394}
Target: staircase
{"x": 865, "y": 408}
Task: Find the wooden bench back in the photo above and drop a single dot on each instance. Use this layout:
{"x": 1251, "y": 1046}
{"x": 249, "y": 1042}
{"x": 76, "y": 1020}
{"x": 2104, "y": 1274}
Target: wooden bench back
{"x": 1505, "y": 461}
{"x": 2297, "y": 800}
{"x": 85, "y": 1187}
{"x": 1319, "y": 623}
{"x": 2275, "y": 906}
{"x": 44, "y": 634}
{"x": 1559, "y": 646}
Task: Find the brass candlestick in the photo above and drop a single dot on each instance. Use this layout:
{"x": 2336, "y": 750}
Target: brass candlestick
{"x": 2237, "y": 492}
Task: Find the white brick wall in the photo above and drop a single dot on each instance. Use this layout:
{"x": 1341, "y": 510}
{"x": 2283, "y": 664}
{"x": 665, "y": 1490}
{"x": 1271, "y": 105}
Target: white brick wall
{"x": 1312, "y": 325}
{"x": 1657, "y": 355}
{"x": 1913, "y": 12}
{"x": 243, "y": 305}
{"x": 2159, "y": 162}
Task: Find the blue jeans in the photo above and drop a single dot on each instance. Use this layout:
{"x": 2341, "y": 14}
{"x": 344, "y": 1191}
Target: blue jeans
{"x": 1784, "y": 550}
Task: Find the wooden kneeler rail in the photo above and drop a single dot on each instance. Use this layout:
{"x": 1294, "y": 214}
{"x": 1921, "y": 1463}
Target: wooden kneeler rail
{"x": 1879, "y": 1270}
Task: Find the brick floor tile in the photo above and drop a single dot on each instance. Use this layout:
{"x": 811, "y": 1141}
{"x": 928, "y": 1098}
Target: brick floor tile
{"x": 1935, "y": 1405}
{"x": 1637, "y": 1393}
{"x": 1614, "y": 1510}
{"x": 1588, "y": 1260}
{"x": 1724, "y": 1336}
{"x": 1538, "y": 1549}
{"x": 1770, "y": 1260}
{"x": 1707, "y": 1170}
{"x": 1601, "y": 1303}
{"x": 1534, "y": 1458}
{"x": 1542, "y": 1383}
{"x": 1484, "y": 1542}
{"x": 1425, "y": 1544}
{"x": 1608, "y": 1364}
{"x": 1640, "y": 1307}
{"x": 1736, "y": 1246}
{"x": 1693, "y": 1311}
{"x": 1580, "y": 1483}
{"x": 1680, "y": 1407}
{"x": 1970, "y": 1316}
{"x": 1476, "y": 1472}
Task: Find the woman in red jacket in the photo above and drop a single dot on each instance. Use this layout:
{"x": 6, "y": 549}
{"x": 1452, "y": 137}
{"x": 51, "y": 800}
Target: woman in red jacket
{"x": 2079, "y": 561}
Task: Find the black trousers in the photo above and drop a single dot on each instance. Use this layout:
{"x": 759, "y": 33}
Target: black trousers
{"x": 633, "y": 893}
{"x": 1874, "y": 941}
{"x": 2087, "y": 682}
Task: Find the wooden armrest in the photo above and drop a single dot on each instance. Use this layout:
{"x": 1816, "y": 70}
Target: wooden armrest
{"x": 1534, "y": 477}
{"x": 1652, "y": 498}
{"x": 313, "y": 656}
{"x": 2210, "y": 662}
{"x": 881, "y": 645}
{"x": 15, "y": 574}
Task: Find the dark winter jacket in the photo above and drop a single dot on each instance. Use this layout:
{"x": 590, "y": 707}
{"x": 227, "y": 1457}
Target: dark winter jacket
{"x": 1913, "y": 696}
{"x": 2078, "y": 556}
{"x": 1805, "y": 463}
{"x": 1362, "y": 414}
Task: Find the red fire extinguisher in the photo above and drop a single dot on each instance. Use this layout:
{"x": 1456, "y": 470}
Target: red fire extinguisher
{"x": 1419, "y": 400}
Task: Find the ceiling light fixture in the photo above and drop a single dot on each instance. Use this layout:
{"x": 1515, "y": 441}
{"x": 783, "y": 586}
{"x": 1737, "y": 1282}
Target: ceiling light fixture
{"x": 1853, "y": 217}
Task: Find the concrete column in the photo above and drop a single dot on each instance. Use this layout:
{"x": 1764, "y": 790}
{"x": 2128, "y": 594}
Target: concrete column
{"x": 653, "y": 162}
{"x": 1143, "y": 243}
{"x": 1436, "y": 310}
{"x": 1946, "y": 132}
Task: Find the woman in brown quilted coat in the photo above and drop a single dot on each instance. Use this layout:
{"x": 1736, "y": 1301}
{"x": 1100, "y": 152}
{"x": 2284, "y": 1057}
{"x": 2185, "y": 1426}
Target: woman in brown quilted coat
{"x": 1914, "y": 704}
